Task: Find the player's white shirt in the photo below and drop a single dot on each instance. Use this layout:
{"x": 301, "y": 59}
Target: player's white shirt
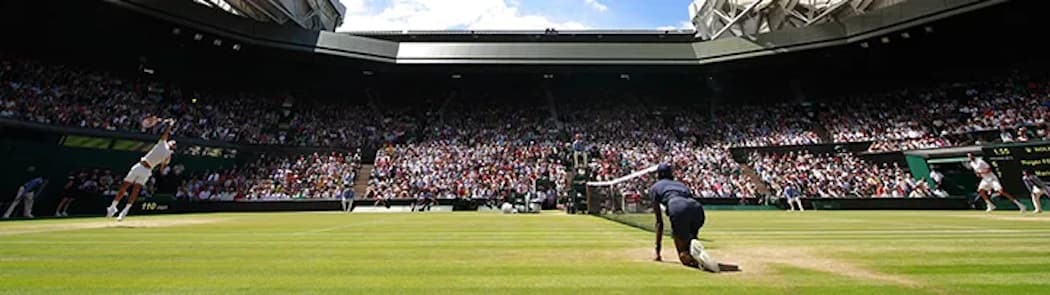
{"x": 981, "y": 168}
{"x": 989, "y": 181}
{"x": 160, "y": 153}
{"x": 140, "y": 174}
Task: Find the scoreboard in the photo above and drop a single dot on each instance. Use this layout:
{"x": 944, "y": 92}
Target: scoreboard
{"x": 1008, "y": 161}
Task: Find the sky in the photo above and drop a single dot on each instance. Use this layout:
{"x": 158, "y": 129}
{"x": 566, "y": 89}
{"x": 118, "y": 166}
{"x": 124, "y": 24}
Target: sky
{"x": 366, "y": 15}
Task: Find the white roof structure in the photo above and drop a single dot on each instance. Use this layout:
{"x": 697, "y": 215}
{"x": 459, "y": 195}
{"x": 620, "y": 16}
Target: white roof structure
{"x": 715, "y": 19}
{"x": 318, "y": 15}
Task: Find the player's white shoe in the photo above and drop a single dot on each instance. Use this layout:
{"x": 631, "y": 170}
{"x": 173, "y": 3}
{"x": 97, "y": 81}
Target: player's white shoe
{"x": 706, "y": 262}
{"x": 110, "y": 211}
{"x": 991, "y": 207}
{"x": 123, "y": 213}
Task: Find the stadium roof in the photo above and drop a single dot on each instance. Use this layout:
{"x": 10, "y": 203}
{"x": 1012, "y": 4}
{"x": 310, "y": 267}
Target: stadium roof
{"x": 715, "y": 19}
{"x": 554, "y": 47}
{"x": 549, "y": 35}
{"x": 320, "y": 15}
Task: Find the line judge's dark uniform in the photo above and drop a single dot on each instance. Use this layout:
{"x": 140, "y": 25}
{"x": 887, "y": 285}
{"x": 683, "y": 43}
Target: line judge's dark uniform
{"x": 685, "y": 212}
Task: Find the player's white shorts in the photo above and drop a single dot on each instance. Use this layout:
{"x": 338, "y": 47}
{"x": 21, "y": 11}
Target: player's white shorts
{"x": 138, "y": 175}
{"x": 1038, "y": 191}
{"x": 990, "y": 184}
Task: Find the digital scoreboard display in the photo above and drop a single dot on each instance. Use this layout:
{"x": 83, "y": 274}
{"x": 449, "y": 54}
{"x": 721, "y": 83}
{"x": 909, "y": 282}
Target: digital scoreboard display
{"x": 1009, "y": 161}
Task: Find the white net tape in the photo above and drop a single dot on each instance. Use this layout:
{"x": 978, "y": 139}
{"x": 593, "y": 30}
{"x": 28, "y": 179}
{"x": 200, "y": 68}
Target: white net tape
{"x": 625, "y": 177}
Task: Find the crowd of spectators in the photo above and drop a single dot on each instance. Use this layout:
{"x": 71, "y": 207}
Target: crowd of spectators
{"x": 629, "y": 138}
{"x": 709, "y": 171}
{"x": 444, "y": 169}
{"x": 341, "y": 124}
{"x": 475, "y": 151}
{"x": 491, "y": 151}
{"x": 310, "y": 176}
{"x": 945, "y": 115}
{"x": 801, "y": 173}
{"x": 1004, "y": 104}
{"x": 905, "y": 119}
{"x": 753, "y": 125}
{"x": 884, "y": 117}
{"x": 66, "y": 95}
{"x": 610, "y": 120}
{"x": 478, "y": 148}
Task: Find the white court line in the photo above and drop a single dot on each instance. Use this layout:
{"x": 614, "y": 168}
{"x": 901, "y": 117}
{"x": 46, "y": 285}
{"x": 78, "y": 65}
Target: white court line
{"x": 327, "y": 229}
{"x": 873, "y": 232}
{"x": 1028, "y": 217}
{"x": 932, "y": 226}
{"x": 100, "y": 224}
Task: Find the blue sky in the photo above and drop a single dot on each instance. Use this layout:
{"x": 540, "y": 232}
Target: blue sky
{"x": 514, "y": 14}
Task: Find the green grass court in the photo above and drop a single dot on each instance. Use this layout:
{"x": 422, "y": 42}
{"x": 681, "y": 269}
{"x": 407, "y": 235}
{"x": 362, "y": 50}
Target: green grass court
{"x": 824, "y": 252}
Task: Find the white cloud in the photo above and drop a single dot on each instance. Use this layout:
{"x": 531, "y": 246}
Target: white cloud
{"x": 445, "y": 15}
{"x": 354, "y": 6}
{"x": 596, "y": 5}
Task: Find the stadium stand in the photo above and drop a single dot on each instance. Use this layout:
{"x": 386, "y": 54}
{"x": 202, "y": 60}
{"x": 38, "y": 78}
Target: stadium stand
{"x": 71, "y": 96}
{"x": 311, "y": 176}
{"x": 469, "y": 148}
{"x": 832, "y": 176}
{"x": 752, "y": 126}
{"x": 943, "y": 116}
{"x": 460, "y": 136}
